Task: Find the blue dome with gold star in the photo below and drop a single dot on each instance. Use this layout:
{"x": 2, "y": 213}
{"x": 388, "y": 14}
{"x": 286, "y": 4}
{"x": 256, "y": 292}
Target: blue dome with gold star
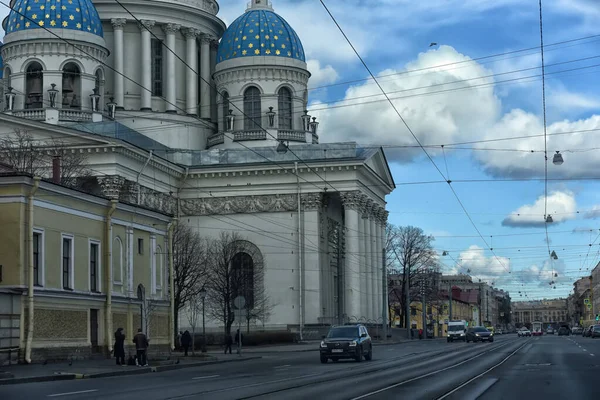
{"x": 78, "y": 15}
{"x": 260, "y": 32}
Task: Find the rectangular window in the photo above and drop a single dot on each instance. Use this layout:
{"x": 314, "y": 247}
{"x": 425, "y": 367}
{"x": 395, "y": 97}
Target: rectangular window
{"x": 67, "y": 262}
{"x": 140, "y": 246}
{"x": 37, "y": 258}
{"x": 157, "y": 67}
{"x": 94, "y": 267}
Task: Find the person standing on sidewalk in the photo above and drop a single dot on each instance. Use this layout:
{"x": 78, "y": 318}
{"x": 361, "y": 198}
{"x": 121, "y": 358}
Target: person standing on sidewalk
{"x": 228, "y": 342}
{"x": 119, "y": 347}
{"x": 141, "y": 346}
{"x": 186, "y": 340}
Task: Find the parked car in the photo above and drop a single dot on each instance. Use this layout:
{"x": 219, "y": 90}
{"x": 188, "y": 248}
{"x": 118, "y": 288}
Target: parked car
{"x": 346, "y": 341}
{"x": 587, "y": 332}
{"x": 577, "y": 330}
{"x": 595, "y": 331}
{"x": 479, "y": 334}
{"x": 523, "y": 332}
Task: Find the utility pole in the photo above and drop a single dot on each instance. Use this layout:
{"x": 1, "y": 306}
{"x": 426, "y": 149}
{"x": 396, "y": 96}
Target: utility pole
{"x": 407, "y": 300}
{"x": 424, "y": 308}
{"x": 450, "y": 301}
{"x": 384, "y": 300}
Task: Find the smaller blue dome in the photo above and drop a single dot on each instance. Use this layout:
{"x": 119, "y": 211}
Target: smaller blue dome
{"x": 260, "y": 32}
{"x": 77, "y": 15}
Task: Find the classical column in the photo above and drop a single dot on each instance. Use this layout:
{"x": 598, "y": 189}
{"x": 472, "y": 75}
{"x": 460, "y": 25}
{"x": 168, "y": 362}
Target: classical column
{"x": 375, "y": 260}
{"x": 191, "y": 77}
{"x": 382, "y": 291}
{"x": 360, "y": 257}
{"x": 312, "y": 296}
{"x": 368, "y": 269}
{"x": 214, "y": 114}
{"x": 118, "y": 89}
{"x": 146, "y": 62}
{"x": 205, "y": 103}
{"x": 170, "y": 30}
{"x": 351, "y": 202}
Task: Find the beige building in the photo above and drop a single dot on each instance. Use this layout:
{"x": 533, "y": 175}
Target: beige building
{"x": 94, "y": 265}
{"x": 552, "y": 311}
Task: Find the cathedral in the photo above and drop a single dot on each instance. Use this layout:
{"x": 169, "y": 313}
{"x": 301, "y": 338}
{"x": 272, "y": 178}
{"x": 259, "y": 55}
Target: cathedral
{"x": 178, "y": 113}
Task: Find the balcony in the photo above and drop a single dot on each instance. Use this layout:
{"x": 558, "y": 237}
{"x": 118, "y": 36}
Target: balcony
{"x": 214, "y": 140}
{"x": 240, "y": 136}
{"x": 64, "y": 115}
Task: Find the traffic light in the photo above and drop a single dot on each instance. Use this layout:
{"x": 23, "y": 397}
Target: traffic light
{"x": 597, "y": 317}
{"x": 468, "y": 323}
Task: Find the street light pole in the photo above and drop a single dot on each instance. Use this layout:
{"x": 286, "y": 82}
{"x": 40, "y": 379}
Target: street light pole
{"x": 203, "y": 296}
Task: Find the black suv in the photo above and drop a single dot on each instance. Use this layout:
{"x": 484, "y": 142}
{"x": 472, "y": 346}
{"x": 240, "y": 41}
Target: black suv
{"x": 346, "y": 341}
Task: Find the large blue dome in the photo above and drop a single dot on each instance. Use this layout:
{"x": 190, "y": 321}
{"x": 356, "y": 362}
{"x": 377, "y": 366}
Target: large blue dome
{"x": 260, "y": 33}
{"x": 78, "y": 15}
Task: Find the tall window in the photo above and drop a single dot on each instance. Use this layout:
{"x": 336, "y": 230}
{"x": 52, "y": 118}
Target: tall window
{"x": 225, "y": 109}
{"x": 33, "y": 86}
{"x": 117, "y": 261}
{"x": 285, "y": 108}
{"x": 252, "y": 110}
{"x": 159, "y": 267}
{"x": 71, "y": 86}
{"x": 93, "y": 267}
{"x": 243, "y": 277}
{"x": 37, "y": 258}
{"x": 67, "y": 262}
{"x": 157, "y": 67}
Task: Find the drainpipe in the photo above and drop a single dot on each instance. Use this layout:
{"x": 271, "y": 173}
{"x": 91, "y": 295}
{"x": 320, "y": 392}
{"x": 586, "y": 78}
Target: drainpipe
{"x": 107, "y": 260}
{"x": 36, "y": 185}
{"x": 300, "y": 270}
{"x": 170, "y": 230}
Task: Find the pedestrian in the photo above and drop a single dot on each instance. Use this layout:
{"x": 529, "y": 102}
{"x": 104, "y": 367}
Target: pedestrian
{"x": 119, "y": 347}
{"x": 178, "y": 341}
{"x": 186, "y": 340}
{"x": 141, "y": 346}
{"x": 228, "y": 342}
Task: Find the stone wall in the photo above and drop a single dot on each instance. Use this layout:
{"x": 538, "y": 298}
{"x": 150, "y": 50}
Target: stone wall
{"x": 159, "y": 326}
{"x": 60, "y": 324}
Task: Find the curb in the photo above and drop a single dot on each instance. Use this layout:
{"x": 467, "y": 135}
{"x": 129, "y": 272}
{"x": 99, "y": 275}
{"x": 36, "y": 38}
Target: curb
{"x": 140, "y": 371}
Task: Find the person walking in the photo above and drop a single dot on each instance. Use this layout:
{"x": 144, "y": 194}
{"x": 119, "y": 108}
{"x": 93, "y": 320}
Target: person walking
{"x": 119, "y": 347}
{"x": 228, "y": 342}
{"x": 141, "y": 346}
{"x": 186, "y": 341}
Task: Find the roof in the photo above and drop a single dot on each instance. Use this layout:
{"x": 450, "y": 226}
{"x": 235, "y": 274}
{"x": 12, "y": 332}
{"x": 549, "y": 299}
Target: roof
{"x": 260, "y": 32}
{"x": 59, "y": 15}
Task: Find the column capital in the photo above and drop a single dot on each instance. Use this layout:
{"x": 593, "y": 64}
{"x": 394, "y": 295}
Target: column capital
{"x": 118, "y": 23}
{"x": 111, "y": 185}
{"x": 170, "y": 28}
{"x": 352, "y": 200}
{"x": 214, "y": 45}
{"x": 190, "y": 33}
{"x": 311, "y": 201}
{"x": 146, "y": 24}
{"x": 206, "y": 38}
{"x": 367, "y": 207}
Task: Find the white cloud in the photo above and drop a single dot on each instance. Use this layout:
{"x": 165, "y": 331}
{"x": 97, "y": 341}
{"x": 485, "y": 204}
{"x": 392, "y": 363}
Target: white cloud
{"x": 593, "y": 213}
{"x": 549, "y": 274}
{"x": 563, "y": 99}
{"x": 561, "y": 205}
{"x": 321, "y": 75}
{"x": 474, "y": 262}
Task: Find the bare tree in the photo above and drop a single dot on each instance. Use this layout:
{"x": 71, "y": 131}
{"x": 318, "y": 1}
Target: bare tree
{"x": 26, "y": 154}
{"x": 190, "y": 265}
{"x": 194, "y": 314}
{"x": 262, "y": 307}
{"x": 235, "y": 270}
{"x": 410, "y": 255}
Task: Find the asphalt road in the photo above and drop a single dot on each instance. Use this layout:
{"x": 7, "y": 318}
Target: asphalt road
{"x": 510, "y": 367}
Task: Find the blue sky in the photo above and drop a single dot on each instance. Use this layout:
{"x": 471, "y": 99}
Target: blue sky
{"x": 393, "y": 36}
{"x": 496, "y": 97}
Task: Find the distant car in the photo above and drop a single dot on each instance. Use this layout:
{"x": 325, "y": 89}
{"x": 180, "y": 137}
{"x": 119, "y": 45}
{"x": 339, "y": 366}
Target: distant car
{"x": 479, "y": 334}
{"x": 524, "y": 332}
{"x": 346, "y": 341}
{"x": 550, "y": 331}
{"x": 595, "y": 331}
{"x": 577, "y": 330}
{"x": 499, "y": 331}
{"x": 564, "y": 331}
{"x": 587, "y": 332}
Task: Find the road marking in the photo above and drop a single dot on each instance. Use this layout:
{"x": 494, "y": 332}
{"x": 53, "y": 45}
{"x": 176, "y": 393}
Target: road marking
{"x": 283, "y": 366}
{"x": 584, "y": 349}
{"x": 71, "y": 393}
{"x": 480, "y": 375}
{"x": 205, "y": 377}
{"x": 431, "y": 373}
{"x": 591, "y": 355}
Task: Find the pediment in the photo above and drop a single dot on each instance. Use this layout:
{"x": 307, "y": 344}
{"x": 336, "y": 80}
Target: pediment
{"x": 377, "y": 162}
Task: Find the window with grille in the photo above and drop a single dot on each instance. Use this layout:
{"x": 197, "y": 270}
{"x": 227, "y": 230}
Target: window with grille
{"x": 157, "y": 67}
{"x": 252, "y": 109}
{"x": 225, "y": 109}
{"x": 67, "y": 262}
{"x": 37, "y": 258}
{"x": 94, "y": 267}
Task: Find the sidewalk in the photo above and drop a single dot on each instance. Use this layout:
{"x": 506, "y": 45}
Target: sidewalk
{"x": 87, "y": 369}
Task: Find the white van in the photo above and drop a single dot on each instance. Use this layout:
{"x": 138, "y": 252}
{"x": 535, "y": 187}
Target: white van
{"x": 457, "y": 330}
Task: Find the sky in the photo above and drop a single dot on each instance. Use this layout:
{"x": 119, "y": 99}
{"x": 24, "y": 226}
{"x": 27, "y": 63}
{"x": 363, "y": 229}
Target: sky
{"x": 465, "y": 77}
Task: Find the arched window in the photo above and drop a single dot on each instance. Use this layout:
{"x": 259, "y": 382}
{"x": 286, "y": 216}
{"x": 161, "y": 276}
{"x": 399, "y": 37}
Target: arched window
{"x": 285, "y": 108}
{"x": 71, "y": 86}
{"x": 159, "y": 267}
{"x": 225, "y": 107}
{"x": 117, "y": 261}
{"x": 252, "y": 109}
{"x": 243, "y": 277}
{"x": 7, "y": 80}
{"x": 33, "y": 85}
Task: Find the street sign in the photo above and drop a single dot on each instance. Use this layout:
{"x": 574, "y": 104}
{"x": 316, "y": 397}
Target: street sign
{"x": 239, "y": 302}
